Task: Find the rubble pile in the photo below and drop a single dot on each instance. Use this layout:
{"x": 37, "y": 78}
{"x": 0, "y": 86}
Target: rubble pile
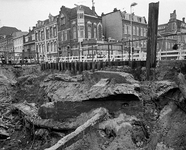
{"x": 101, "y": 110}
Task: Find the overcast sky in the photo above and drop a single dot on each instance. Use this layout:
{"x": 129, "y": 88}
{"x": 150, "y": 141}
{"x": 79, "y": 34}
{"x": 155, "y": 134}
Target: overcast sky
{"x": 23, "y": 14}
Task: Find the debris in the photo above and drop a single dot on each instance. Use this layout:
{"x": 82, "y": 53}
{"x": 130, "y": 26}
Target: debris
{"x": 3, "y": 134}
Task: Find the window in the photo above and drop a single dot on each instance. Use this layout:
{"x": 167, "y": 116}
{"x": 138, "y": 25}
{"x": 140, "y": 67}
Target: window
{"x": 55, "y": 31}
{"x": 39, "y": 35}
{"x": 125, "y": 29}
{"x": 134, "y": 30}
{"x": 145, "y": 44}
{"x": 55, "y": 47}
{"x": 141, "y": 44}
{"x": 74, "y": 32}
{"x": 65, "y": 35}
{"x": 33, "y": 37}
{"x": 89, "y": 31}
{"x": 129, "y": 29}
{"x": 95, "y": 36}
{"x": 81, "y": 29}
{"x": 62, "y": 19}
{"x": 51, "y": 35}
{"x": 52, "y": 46}
{"x": 81, "y": 15}
{"x": 42, "y": 35}
{"x": 99, "y": 31}
{"x": 137, "y": 30}
{"x": 62, "y": 35}
{"x": 26, "y": 39}
{"x": 141, "y": 31}
{"x": 47, "y": 33}
{"x": 43, "y": 47}
{"x": 168, "y": 45}
{"x": 39, "y": 48}
{"x": 145, "y": 32}
{"x": 47, "y": 47}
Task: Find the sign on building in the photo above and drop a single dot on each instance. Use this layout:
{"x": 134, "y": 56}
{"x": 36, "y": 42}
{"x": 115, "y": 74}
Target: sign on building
{"x": 80, "y": 24}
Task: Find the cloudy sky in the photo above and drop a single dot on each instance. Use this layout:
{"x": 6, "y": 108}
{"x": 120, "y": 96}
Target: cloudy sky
{"x": 23, "y": 14}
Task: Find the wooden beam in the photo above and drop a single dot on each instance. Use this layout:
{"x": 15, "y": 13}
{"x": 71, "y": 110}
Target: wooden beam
{"x": 152, "y": 37}
{"x": 67, "y": 140}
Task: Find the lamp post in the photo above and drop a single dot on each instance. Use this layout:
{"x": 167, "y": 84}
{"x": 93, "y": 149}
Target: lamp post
{"x": 131, "y": 19}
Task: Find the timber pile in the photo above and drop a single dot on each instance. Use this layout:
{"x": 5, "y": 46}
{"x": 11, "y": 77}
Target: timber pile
{"x": 72, "y": 137}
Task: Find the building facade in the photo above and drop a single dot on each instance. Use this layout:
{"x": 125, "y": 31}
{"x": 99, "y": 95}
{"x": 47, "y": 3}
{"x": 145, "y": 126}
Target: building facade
{"x": 29, "y": 45}
{"x": 6, "y": 38}
{"x": 117, "y": 26}
{"x": 46, "y": 38}
{"x": 18, "y": 41}
{"x": 172, "y": 33}
{"x": 78, "y": 27}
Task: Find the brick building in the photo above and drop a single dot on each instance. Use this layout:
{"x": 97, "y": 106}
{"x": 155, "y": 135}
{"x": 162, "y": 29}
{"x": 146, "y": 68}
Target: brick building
{"x": 6, "y": 38}
{"x": 29, "y": 45}
{"x": 174, "y": 26}
{"x": 117, "y": 26}
{"x": 18, "y": 41}
{"x": 78, "y": 27}
{"x": 46, "y": 38}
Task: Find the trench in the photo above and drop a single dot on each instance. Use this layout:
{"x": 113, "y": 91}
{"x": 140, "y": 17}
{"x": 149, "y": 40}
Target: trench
{"x": 62, "y": 111}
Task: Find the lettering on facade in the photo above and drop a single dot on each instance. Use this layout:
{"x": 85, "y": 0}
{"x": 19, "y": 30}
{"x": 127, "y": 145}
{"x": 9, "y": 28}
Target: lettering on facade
{"x": 80, "y": 24}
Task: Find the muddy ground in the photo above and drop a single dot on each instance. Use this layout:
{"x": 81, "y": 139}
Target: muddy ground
{"x": 154, "y": 121}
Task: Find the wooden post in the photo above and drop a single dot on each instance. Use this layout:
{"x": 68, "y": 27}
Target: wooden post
{"x": 93, "y": 66}
{"x": 75, "y": 67}
{"x": 61, "y": 66}
{"x": 152, "y": 37}
{"x": 108, "y": 53}
{"x": 129, "y": 51}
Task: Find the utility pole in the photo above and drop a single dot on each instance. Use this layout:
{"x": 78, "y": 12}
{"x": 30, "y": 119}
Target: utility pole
{"x": 152, "y": 37}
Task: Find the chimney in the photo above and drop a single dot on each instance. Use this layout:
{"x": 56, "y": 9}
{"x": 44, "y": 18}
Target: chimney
{"x": 93, "y": 7}
{"x": 183, "y": 19}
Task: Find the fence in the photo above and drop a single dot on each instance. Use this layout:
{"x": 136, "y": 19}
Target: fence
{"x": 11, "y": 58}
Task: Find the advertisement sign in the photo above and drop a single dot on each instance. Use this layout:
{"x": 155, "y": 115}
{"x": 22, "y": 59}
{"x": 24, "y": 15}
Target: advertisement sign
{"x": 80, "y": 24}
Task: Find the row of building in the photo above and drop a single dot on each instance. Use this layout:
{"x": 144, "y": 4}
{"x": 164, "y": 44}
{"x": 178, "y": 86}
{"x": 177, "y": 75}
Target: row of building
{"x": 81, "y": 27}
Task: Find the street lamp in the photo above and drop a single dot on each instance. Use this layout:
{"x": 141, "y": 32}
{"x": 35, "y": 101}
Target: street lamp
{"x": 133, "y": 4}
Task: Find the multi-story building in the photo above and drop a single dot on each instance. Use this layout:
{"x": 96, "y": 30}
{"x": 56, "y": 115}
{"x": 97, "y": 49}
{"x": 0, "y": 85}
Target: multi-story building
{"x": 46, "y": 38}
{"x": 6, "y": 39}
{"x": 3, "y": 44}
{"x": 29, "y": 45}
{"x": 117, "y": 26}
{"x": 78, "y": 27}
{"x": 168, "y": 31}
{"x": 18, "y": 43}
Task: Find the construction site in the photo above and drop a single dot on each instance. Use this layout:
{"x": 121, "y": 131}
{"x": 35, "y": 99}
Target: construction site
{"x": 95, "y": 105}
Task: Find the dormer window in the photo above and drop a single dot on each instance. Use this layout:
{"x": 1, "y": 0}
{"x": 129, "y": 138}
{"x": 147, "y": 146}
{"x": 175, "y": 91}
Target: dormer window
{"x": 62, "y": 19}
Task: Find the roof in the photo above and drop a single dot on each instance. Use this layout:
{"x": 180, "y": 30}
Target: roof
{"x": 8, "y": 30}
